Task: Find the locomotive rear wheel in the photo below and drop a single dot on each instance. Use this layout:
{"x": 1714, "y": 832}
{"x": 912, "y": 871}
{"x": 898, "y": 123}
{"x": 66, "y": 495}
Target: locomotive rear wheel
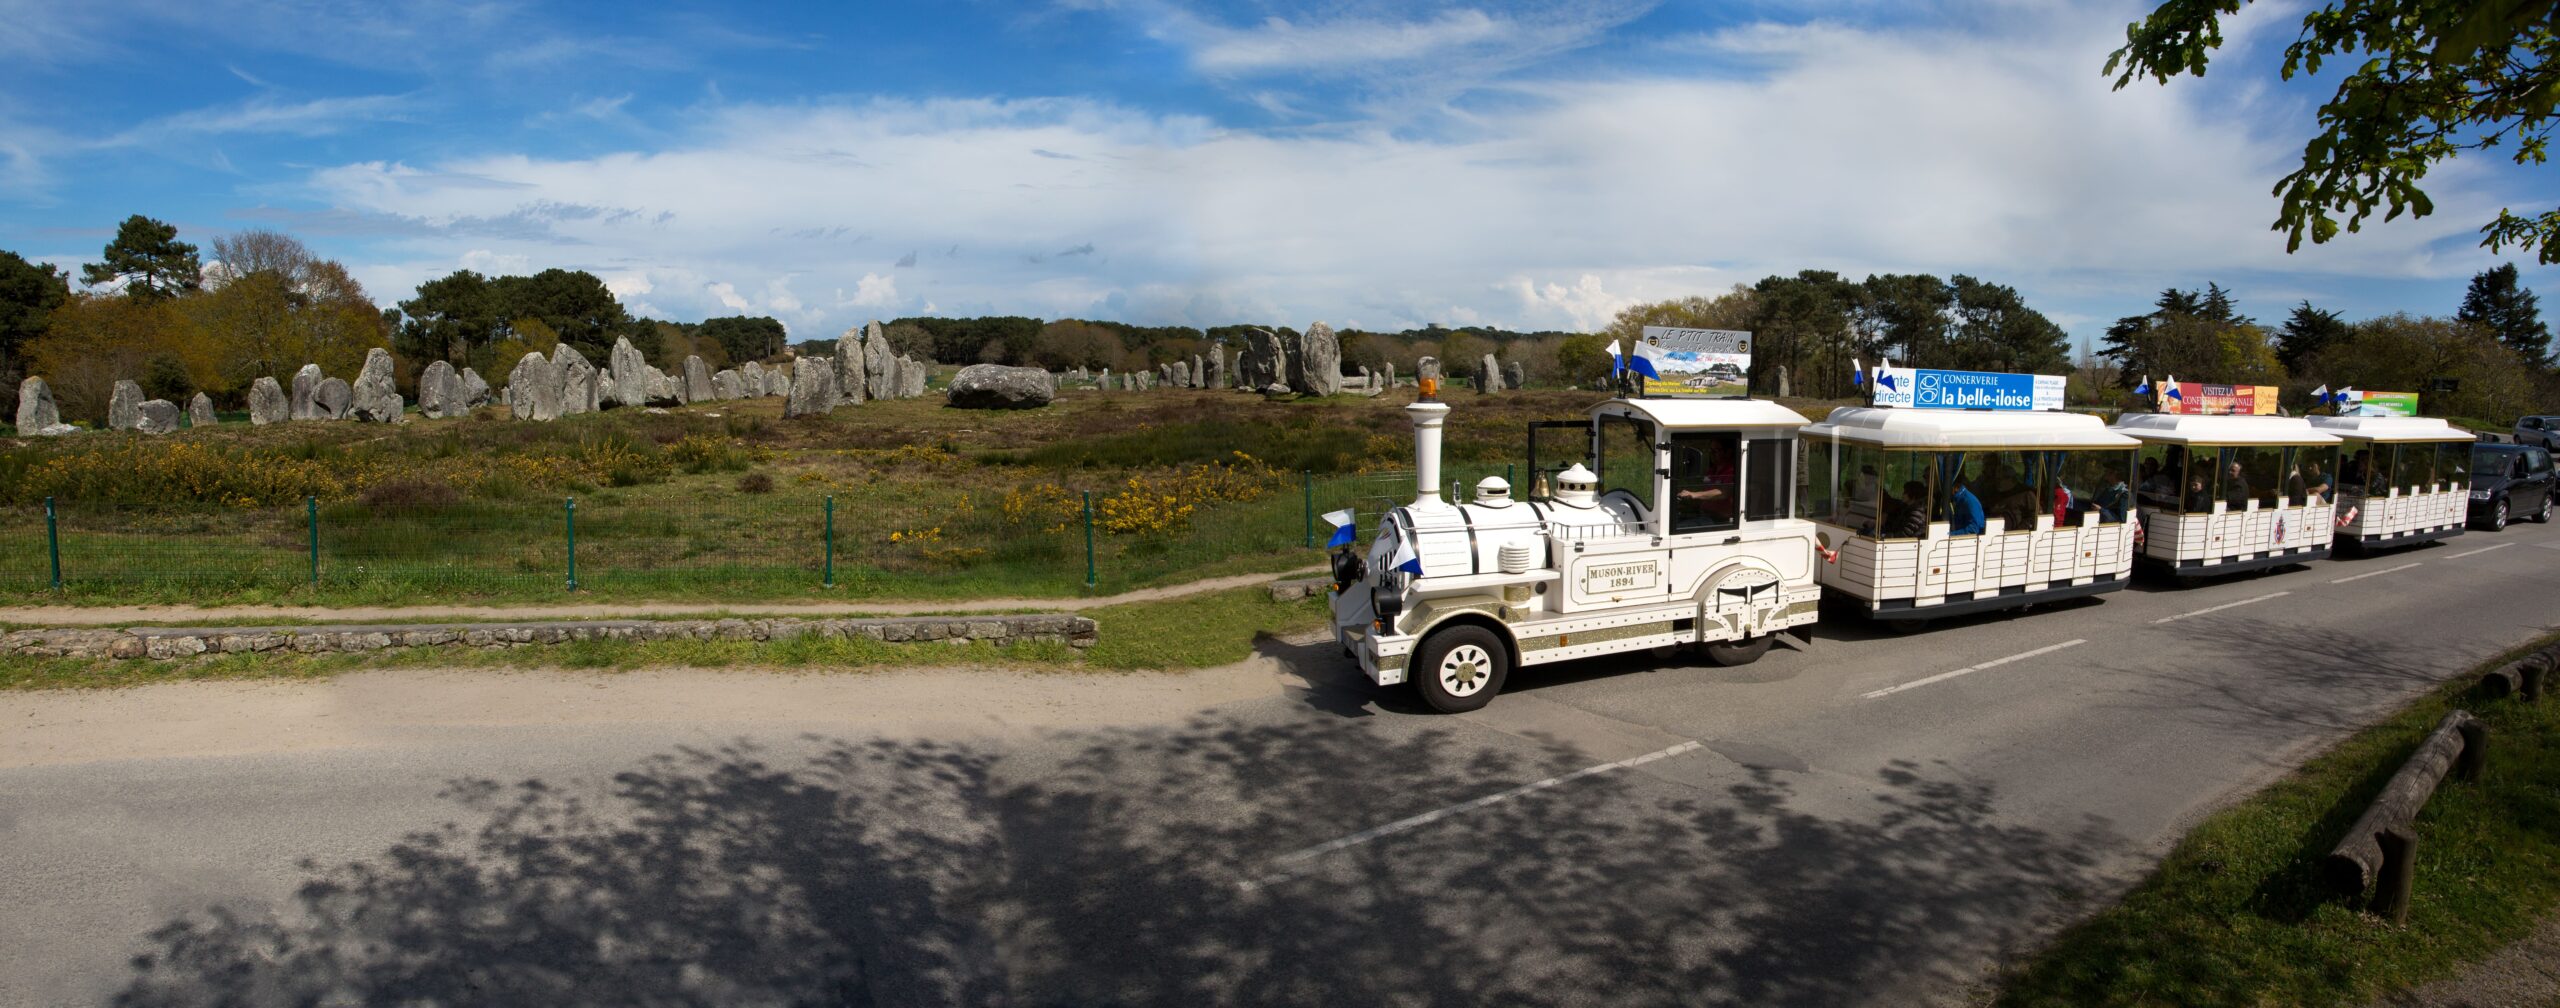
{"x": 1461, "y": 668}
{"x": 1740, "y": 652}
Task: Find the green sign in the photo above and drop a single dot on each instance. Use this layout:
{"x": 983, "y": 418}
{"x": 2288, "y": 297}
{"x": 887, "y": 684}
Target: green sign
{"x": 2389, "y": 403}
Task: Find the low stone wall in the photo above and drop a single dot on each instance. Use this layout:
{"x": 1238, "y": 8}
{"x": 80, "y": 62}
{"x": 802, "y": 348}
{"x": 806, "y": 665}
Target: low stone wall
{"x": 185, "y": 642}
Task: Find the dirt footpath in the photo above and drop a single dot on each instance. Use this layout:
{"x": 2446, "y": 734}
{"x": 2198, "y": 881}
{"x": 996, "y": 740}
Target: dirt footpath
{"x": 69, "y": 616}
{"x": 2523, "y": 975}
{"x": 40, "y": 727}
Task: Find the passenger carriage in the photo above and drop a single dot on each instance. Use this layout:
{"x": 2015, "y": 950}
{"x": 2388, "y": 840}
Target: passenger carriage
{"x": 2225, "y": 494}
{"x": 1937, "y": 512}
{"x": 2401, "y": 480}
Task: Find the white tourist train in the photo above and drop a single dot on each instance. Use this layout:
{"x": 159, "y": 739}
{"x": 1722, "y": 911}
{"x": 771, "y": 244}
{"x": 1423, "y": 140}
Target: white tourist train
{"x": 2401, "y": 480}
{"x": 2225, "y": 494}
{"x": 1675, "y": 524}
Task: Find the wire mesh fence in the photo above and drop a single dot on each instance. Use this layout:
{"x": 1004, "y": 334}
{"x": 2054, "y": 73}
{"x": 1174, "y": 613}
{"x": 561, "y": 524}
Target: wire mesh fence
{"x": 1046, "y": 540}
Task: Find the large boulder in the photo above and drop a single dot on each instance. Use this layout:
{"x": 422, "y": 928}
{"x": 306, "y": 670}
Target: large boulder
{"x": 332, "y": 399}
{"x": 375, "y": 396}
{"x": 475, "y": 390}
{"x": 1516, "y": 375}
{"x": 631, "y": 375}
{"x": 200, "y": 411}
{"x": 911, "y": 377}
{"x": 1270, "y": 358}
{"x": 724, "y": 385}
{"x": 1181, "y": 376}
{"x": 267, "y": 403}
{"x": 438, "y": 390}
{"x": 853, "y": 380}
{"x": 777, "y": 382}
{"x": 1317, "y": 368}
{"x": 157, "y": 416}
{"x": 37, "y": 413}
{"x": 1488, "y": 375}
{"x": 994, "y": 386}
{"x": 878, "y": 376}
{"x": 533, "y": 389}
{"x": 664, "y": 390}
{"x": 306, "y": 393}
{"x": 124, "y": 406}
{"x": 750, "y": 379}
{"x": 813, "y": 388}
{"x": 1428, "y": 367}
{"x": 1215, "y": 374}
{"x": 697, "y": 379}
{"x": 581, "y": 386}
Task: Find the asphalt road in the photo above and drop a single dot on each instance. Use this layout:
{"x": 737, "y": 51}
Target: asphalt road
{"x": 1847, "y": 824}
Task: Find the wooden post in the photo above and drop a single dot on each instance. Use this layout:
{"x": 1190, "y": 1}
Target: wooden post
{"x": 2504, "y": 681}
{"x": 2351, "y": 867}
{"x": 2475, "y": 750}
{"x": 2534, "y": 672}
{"x": 2399, "y": 874}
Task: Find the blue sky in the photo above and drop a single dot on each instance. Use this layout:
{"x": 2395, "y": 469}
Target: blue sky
{"x": 1526, "y": 165}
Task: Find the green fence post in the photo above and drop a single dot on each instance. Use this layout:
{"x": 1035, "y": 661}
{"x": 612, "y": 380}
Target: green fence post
{"x": 1308, "y": 478}
{"x": 1088, "y": 538}
{"x": 311, "y": 511}
{"x": 570, "y": 511}
{"x": 831, "y": 541}
{"x": 53, "y": 543}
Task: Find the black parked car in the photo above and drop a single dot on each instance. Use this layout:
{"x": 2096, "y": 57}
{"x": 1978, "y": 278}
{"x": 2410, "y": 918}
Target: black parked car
{"x": 2510, "y": 481}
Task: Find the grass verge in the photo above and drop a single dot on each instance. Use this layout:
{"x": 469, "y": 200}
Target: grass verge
{"x": 1187, "y": 633}
{"x": 2236, "y": 915}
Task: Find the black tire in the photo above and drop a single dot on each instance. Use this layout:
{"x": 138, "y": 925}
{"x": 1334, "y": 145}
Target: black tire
{"x": 2498, "y": 516}
{"x": 1459, "y": 669}
{"x": 1733, "y": 653}
{"x": 2542, "y": 515}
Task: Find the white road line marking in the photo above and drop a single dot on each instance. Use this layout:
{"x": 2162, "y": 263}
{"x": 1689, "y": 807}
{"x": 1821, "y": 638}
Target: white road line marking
{"x": 1435, "y": 815}
{"x": 2379, "y": 573}
{"x": 2476, "y": 552}
{"x": 1993, "y": 663}
{"x": 2219, "y": 608}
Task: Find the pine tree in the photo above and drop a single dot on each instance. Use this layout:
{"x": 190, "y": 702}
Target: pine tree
{"x": 2497, "y": 303}
{"x": 150, "y": 259}
{"x": 2306, "y": 332}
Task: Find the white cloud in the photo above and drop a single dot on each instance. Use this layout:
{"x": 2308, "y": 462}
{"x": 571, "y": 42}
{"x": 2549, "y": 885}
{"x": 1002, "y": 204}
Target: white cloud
{"x": 1277, "y": 44}
{"x": 2008, "y": 157}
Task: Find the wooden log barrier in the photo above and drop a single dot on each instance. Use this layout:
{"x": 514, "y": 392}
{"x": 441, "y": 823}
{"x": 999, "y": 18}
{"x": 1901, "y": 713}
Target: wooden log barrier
{"x": 2459, "y": 745}
{"x": 2504, "y": 681}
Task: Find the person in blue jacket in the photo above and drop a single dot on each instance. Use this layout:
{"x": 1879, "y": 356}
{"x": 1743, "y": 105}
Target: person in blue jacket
{"x": 1964, "y": 511}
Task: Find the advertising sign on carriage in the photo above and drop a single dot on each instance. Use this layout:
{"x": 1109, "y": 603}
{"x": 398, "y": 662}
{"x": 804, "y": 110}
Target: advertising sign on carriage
{"x": 2206, "y": 399}
{"x": 1696, "y": 363}
{"x": 1925, "y": 388}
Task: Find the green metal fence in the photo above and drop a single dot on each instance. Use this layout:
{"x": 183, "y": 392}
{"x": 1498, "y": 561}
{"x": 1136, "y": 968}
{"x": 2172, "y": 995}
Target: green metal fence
{"x": 720, "y": 546}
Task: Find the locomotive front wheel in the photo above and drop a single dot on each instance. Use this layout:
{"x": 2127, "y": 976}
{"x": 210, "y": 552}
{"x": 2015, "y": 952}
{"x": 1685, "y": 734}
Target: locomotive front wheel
{"x": 1740, "y": 652}
{"x": 1461, "y": 669}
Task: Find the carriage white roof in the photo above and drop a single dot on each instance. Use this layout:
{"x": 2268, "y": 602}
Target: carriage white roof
{"x": 2391, "y": 428}
{"x": 1679, "y": 414}
{"x": 2187, "y": 428}
{"x": 1931, "y": 428}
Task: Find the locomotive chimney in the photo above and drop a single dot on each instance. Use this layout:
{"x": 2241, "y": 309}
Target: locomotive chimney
{"x": 1427, "y": 413}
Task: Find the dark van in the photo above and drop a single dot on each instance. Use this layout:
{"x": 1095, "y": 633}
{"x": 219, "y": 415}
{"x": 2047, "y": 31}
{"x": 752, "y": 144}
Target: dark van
{"x": 2510, "y": 481}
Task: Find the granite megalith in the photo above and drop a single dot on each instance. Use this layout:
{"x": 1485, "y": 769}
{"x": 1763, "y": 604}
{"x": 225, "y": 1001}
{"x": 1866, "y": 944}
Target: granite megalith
{"x": 533, "y": 389}
{"x": 156, "y": 416}
{"x": 267, "y": 403}
{"x": 375, "y": 396}
{"x": 124, "y": 406}
{"x": 994, "y": 386}
{"x": 37, "y": 413}
{"x": 306, "y": 392}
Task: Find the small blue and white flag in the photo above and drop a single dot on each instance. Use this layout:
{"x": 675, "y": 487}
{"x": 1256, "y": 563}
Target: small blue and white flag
{"x": 1346, "y": 528}
{"x": 2144, "y": 388}
{"x": 1648, "y": 360}
{"x": 1405, "y": 559}
{"x": 1857, "y": 373}
{"x": 2320, "y": 395}
{"x": 1617, "y": 360}
{"x": 2169, "y": 389}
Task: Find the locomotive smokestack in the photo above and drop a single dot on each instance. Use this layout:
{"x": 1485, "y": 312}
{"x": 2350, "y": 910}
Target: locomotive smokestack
{"x": 1427, "y": 413}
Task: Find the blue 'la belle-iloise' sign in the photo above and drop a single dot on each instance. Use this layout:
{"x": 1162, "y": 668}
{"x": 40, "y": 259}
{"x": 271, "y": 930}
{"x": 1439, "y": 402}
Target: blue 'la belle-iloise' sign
{"x": 1923, "y": 388}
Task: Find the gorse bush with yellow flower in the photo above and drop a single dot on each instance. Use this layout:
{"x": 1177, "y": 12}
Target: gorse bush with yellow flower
{"x": 144, "y": 472}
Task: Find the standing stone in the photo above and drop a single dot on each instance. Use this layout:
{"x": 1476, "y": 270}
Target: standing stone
{"x": 1216, "y": 376}
{"x": 813, "y": 388}
{"x": 581, "y": 387}
{"x": 158, "y": 416}
{"x": 630, "y": 375}
{"x": 911, "y": 377}
{"x": 751, "y": 379}
{"x": 267, "y": 403}
{"x": 1368, "y": 381}
{"x": 474, "y": 391}
{"x": 875, "y": 363}
{"x": 533, "y": 389}
{"x": 663, "y": 389}
{"x": 1199, "y": 371}
{"x": 697, "y": 379}
{"x": 1781, "y": 373}
{"x": 439, "y": 390}
{"x": 853, "y": 381}
{"x": 200, "y": 411}
{"x": 1517, "y": 375}
{"x": 306, "y": 392}
{"x": 1270, "y": 359}
{"x": 124, "y": 407}
{"x": 37, "y": 414}
{"x": 1489, "y": 376}
{"x": 1427, "y": 368}
{"x": 376, "y": 395}
{"x": 994, "y": 386}
{"x": 332, "y": 400}
{"x": 777, "y": 382}
{"x": 1316, "y": 369}
{"x": 1391, "y": 374}
{"x": 725, "y": 385}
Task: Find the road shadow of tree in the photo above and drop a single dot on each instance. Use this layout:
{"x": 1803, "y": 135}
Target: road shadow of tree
{"x": 1140, "y": 870}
